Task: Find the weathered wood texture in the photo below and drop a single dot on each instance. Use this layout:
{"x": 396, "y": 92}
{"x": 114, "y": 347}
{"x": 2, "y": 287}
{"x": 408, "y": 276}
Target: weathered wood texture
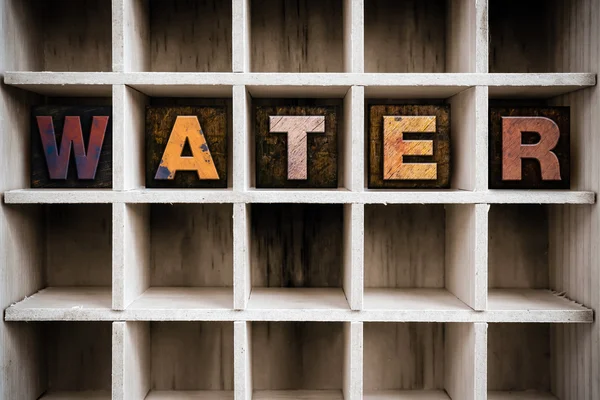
{"x": 519, "y": 357}
{"x": 190, "y": 35}
{"x": 78, "y": 355}
{"x": 404, "y": 246}
{"x": 272, "y": 148}
{"x": 49, "y": 155}
{"x": 521, "y": 41}
{"x": 405, "y": 36}
{"x": 78, "y": 243}
{"x": 296, "y": 36}
{"x": 297, "y": 355}
{"x": 296, "y": 245}
{"x": 518, "y": 247}
{"x": 191, "y": 355}
{"x": 378, "y": 176}
{"x": 403, "y": 356}
{"x": 531, "y": 175}
{"x": 203, "y": 233}
{"x": 74, "y": 35}
{"x": 160, "y": 123}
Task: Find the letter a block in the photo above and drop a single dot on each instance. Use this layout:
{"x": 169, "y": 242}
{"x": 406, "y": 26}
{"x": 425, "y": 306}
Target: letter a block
{"x": 186, "y": 147}
{"x": 71, "y": 147}
{"x": 296, "y": 146}
{"x": 529, "y": 148}
{"x": 409, "y": 146}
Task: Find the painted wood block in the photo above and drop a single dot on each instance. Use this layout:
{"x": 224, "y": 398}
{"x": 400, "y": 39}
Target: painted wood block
{"x": 296, "y": 146}
{"x": 186, "y": 147}
{"x": 529, "y": 148}
{"x": 71, "y": 147}
{"x": 409, "y": 146}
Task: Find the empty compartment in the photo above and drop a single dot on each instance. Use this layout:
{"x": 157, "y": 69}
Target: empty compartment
{"x": 406, "y": 263}
{"x": 405, "y": 36}
{"x": 296, "y": 255}
{"x": 521, "y": 361}
{"x": 188, "y": 36}
{"x": 304, "y": 357}
{"x": 418, "y": 360}
{"x": 185, "y": 255}
{"x": 73, "y": 360}
{"x": 61, "y": 35}
{"x": 535, "y": 36}
{"x": 296, "y": 36}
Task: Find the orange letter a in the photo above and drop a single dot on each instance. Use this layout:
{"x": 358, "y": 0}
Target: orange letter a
{"x": 187, "y": 128}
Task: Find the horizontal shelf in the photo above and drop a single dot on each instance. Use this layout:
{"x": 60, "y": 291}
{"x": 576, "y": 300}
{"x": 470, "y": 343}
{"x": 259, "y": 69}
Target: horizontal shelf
{"x": 404, "y": 85}
{"x": 526, "y": 395}
{"x": 297, "y": 394}
{"x": 83, "y": 395}
{"x": 190, "y": 395}
{"x": 282, "y": 304}
{"x": 157, "y": 196}
{"x": 406, "y": 395}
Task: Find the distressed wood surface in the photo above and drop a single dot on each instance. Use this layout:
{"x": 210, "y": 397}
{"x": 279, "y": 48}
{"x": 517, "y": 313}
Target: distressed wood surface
{"x": 519, "y": 357}
{"x": 78, "y": 356}
{"x": 296, "y": 245}
{"x": 384, "y": 159}
{"x": 161, "y": 126}
{"x": 404, "y": 246}
{"x": 405, "y": 36}
{"x": 504, "y": 143}
{"x": 203, "y": 233}
{"x": 297, "y": 355}
{"x": 296, "y": 36}
{"x": 272, "y": 148}
{"x": 191, "y": 356}
{"x": 403, "y": 356}
{"x": 518, "y": 247}
{"x": 56, "y": 130}
{"x": 190, "y": 35}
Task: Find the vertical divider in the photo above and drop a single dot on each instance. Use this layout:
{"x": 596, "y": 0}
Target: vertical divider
{"x": 466, "y": 361}
{"x": 353, "y": 361}
{"x": 131, "y": 360}
{"x": 241, "y": 256}
{"x": 481, "y": 137}
{"x": 242, "y": 360}
{"x": 482, "y": 36}
{"x": 118, "y": 256}
{"x": 242, "y": 150}
{"x": 240, "y": 36}
{"x": 118, "y": 33}
{"x": 354, "y": 240}
{"x": 354, "y": 139}
{"x": 466, "y": 253}
{"x": 131, "y": 35}
{"x": 354, "y": 36}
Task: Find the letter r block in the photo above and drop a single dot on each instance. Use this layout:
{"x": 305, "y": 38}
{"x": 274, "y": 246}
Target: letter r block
{"x": 529, "y": 148}
{"x": 409, "y": 146}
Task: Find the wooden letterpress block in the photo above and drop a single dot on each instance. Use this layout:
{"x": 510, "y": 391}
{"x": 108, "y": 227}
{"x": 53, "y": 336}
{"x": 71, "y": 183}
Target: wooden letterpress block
{"x": 409, "y": 146}
{"x": 296, "y": 146}
{"x": 186, "y": 147}
{"x": 529, "y": 148}
{"x": 71, "y": 147}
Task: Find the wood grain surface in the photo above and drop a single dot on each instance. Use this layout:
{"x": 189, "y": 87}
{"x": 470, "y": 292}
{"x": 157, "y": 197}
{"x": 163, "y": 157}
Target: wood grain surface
{"x": 49, "y": 153}
{"x": 531, "y": 173}
{"x": 272, "y": 148}
{"x": 160, "y": 124}
{"x": 384, "y": 171}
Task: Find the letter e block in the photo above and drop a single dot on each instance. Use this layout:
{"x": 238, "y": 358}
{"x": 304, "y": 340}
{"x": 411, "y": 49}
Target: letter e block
{"x": 71, "y": 147}
{"x": 186, "y": 147}
{"x": 296, "y": 146}
{"x": 409, "y": 146}
{"x": 529, "y": 148}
